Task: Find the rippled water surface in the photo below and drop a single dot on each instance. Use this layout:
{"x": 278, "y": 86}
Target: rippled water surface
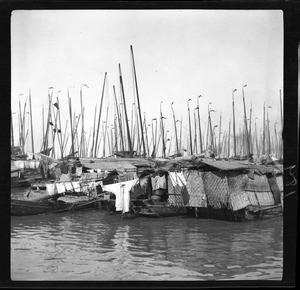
{"x": 97, "y": 245}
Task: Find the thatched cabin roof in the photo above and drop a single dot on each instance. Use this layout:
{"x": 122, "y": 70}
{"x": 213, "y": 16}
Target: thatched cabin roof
{"x": 209, "y": 164}
{"x": 105, "y": 164}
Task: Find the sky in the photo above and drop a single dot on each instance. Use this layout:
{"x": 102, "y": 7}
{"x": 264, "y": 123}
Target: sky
{"x": 179, "y": 55}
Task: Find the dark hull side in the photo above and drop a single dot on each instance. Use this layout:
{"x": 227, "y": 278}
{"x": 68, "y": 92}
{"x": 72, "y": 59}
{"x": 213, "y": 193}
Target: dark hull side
{"x": 81, "y": 205}
{"x": 20, "y": 183}
{"x": 25, "y": 207}
{"x": 250, "y": 214}
{"x": 151, "y": 208}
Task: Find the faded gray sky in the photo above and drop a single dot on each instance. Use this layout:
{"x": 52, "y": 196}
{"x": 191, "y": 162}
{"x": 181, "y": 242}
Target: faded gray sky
{"x": 179, "y": 54}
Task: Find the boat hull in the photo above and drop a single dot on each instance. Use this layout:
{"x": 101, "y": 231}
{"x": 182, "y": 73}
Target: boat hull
{"x": 26, "y": 207}
{"x": 151, "y": 208}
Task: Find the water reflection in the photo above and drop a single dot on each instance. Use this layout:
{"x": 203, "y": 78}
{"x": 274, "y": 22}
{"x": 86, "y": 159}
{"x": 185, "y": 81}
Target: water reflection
{"x": 96, "y": 245}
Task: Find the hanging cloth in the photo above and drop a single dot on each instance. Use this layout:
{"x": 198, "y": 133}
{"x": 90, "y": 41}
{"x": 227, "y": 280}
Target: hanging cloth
{"x": 50, "y": 188}
{"x": 60, "y": 187}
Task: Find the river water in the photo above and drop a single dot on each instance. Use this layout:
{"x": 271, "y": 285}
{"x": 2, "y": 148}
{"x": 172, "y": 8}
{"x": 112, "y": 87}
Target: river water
{"x": 100, "y": 246}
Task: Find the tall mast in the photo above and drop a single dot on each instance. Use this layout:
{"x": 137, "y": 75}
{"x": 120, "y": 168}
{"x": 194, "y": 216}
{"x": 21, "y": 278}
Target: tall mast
{"x": 211, "y": 130}
{"x": 99, "y": 118}
{"x": 282, "y": 124}
{"x": 250, "y": 137}
{"x": 60, "y": 128}
{"x": 12, "y": 129}
{"x": 195, "y": 129}
{"x": 281, "y": 109}
{"x": 276, "y": 141}
{"x": 119, "y": 120}
{"x": 228, "y": 154}
{"x": 139, "y": 106}
{"x": 264, "y": 134}
{"x": 93, "y": 141}
{"x": 146, "y": 132}
{"x": 269, "y": 136}
{"x": 105, "y": 134}
{"x": 190, "y": 129}
{"x": 116, "y": 134}
{"x": 162, "y": 132}
{"x": 175, "y": 127}
{"x": 125, "y": 111}
{"x": 219, "y": 148}
{"x": 234, "y": 140}
{"x": 30, "y": 107}
{"x": 71, "y": 124}
{"x": 82, "y": 141}
{"x": 180, "y": 140}
{"x": 246, "y": 125}
{"x": 200, "y": 135}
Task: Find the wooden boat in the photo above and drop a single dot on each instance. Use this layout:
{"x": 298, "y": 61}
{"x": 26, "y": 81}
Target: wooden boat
{"x": 21, "y": 207}
{"x": 74, "y": 203}
{"x": 153, "y": 208}
{"x": 18, "y": 182}
{"x": 258, "y": 212}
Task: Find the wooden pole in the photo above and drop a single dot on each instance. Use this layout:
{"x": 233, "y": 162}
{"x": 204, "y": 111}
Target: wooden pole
{"x": 220, "y": 123}
{"x": 190, "y": 128}
{"x": 234, "y": 138}
{"x": 46, "y": 139}
{"x": 207, "y": 129}
{"x": 88, "y": 143}
{"x": 54, "y": 130}
{"x": 82, "y": 141}
{"x": 211, "y": 130}
{"x": 146, "y": 133}
{"x": 12, "y": 129}
{"x": 23, "y": 122}
{"x": 30, "y": 107}
{"x": 264, "y": 134}
{"x": 282, "y": 124}
{"x": 256, "y": 139}
{"x": 276, "y": 141}
{"x": 228, "y": 154}
{"x": 99, "y": 118}
{"x": 125, "y": 111}
{"x": 195, "y": 133}
{"x": 64, "y": 140}
{"x": 105, "y": 134}
{"x": 281, "y": 111}
{"x": 200, "y": 134}
{"x": 43, "y": 121}
{"x": 162, "y": 133}
{"x": 116, "y": 133}
{"x": 59, "y": 134}
{"x": 269, "y": 136}
{"x": 246, "y": 125}
{"x": 154, "y": 138}
{"x": 137, "y": 132}
{"x": 93, "y": 141}
{"x": 175, "y": 128}
{"x": 76, "y": 130}
{"x": 139, "y": 106}
{"x": 21, "y": 134}
{"x": 71, "y": 124}
{"x": 250, "y": 132}
{"x": 119, "y": 120}
{"x": 180, "y": 134}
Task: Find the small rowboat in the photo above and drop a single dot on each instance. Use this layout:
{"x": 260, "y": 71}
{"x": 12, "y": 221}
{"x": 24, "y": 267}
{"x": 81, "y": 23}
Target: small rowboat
{"x": 74, "y": 203}
{"x": 153, "y": 208}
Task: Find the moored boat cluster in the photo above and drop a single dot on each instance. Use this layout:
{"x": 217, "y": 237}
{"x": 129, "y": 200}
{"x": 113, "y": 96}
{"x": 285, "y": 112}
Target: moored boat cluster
{"x": 194, "y": 186}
